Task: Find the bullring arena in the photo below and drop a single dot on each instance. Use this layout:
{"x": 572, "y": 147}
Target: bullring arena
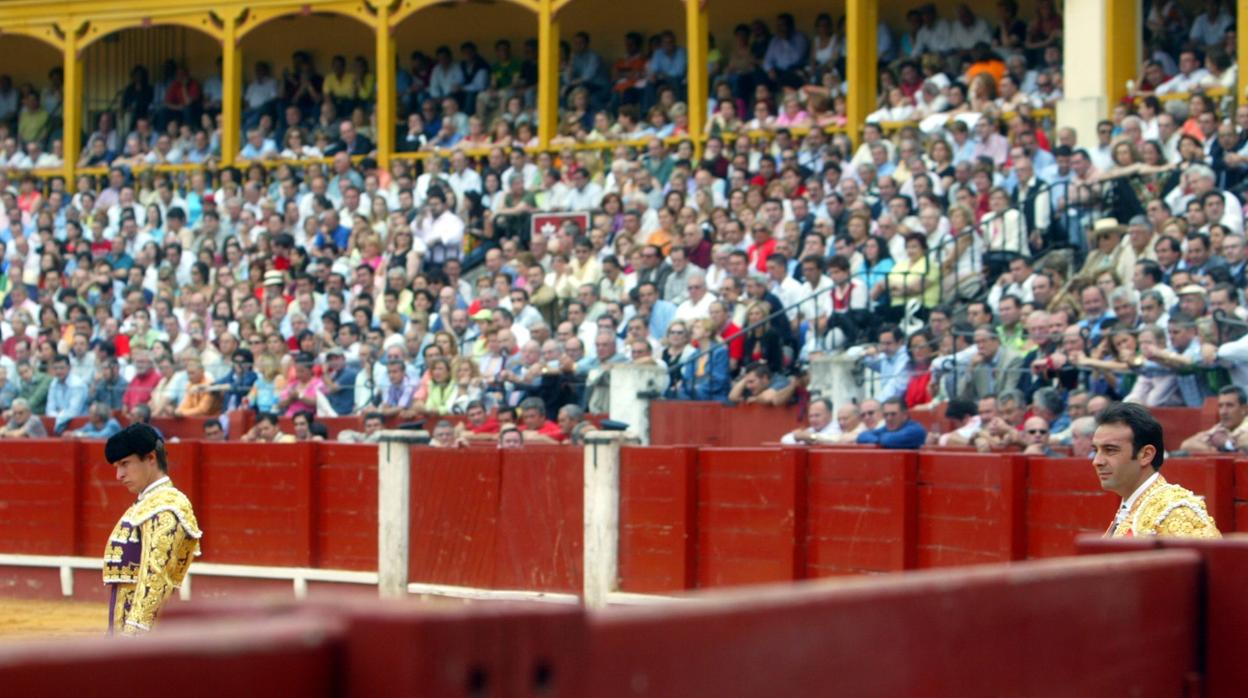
{"x": 576, "y": 348}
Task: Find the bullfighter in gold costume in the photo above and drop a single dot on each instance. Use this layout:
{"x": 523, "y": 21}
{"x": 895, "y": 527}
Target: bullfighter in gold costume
{"x": 151, "y": 547}
{"x": 1127, "y": 453}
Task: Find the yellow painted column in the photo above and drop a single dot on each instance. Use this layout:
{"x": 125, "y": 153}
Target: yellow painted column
{"x": 71, "y": 106}
{"x": 386, "y": 85}
{"x": 547, "y": 74}
{"x": 1122, "y": 47}
{"x": 860, "y": 62}
{"x": 231, "y": 92}
{"x": 696, "y": 27}
{"x": 1241, "y": 38}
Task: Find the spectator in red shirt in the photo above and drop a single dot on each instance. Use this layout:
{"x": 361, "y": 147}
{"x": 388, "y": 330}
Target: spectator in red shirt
{"x": 762, "y": 248}
{"x": 139, "y": 391}
{"x": 537, "y": 428}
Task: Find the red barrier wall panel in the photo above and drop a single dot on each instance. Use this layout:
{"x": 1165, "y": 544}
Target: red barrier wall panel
{"x": 38, "y": 495}
{"x": 480, "y": 650}
{"x": 658, "y": 518}
{"x": 1240, "y": 491}
{"x": 541, "y": 519}
{"x": 970, "y": 508}
{"x": 255, "y": 504}
{"x": 1023, "y": 630}
{"x": 749, "y": 425}
{"x": 346, "y": 534}
{"x": 1064, "y": 500}
{"x": 454, "y": 516}
{"x": 1211, "y": 478}
{"x": 1178, "y": 423}
{"x": 751, "y": 516}
{"x": 32, "y": 582}
{"x": 1225, "y": 611}
{"x": 241, "y": 661}
{"x": 674, "y": 423}
{"x": 862, "y": 511}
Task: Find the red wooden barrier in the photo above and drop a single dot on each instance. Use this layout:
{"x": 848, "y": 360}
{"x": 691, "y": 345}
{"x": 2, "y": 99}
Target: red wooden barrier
{"x": 677, "y": 423}
{"x": 658, "y": 518}
{"x": 454, "y": 516}
{"x": 862, "y": 510}
{"x": 971, "y": 508}
{"x": 1240, "y": 470}
{"x": 1064, "y": 499}
{"x": 751, "y": 516}
{"x": 38, "y": 497}
{"x": 346, "y": 495}
{"x": 1034, "y": 629}
{"x": 1225, "y": 610}
{"x": 480, "y": 650}
{"x": 202, "y": 659}
{"x": 540, "y": 519}
{"x": 1179, "y": 423}
{"x": 257, "y": 504}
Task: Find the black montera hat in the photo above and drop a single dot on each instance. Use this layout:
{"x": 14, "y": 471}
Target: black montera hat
{"x": 136, "y": 440}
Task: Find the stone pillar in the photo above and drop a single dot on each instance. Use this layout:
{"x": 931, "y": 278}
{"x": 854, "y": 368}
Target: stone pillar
{"x": 601, "y": 548}
{"x": 832, "y": 377}
{"x": 394, "y": 488}
{"x": 1084, "y": 71}
{"x": 633, "y": 386}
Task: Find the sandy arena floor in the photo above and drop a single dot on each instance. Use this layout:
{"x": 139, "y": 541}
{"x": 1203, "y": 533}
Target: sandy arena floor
{"x": 24, "y": 619}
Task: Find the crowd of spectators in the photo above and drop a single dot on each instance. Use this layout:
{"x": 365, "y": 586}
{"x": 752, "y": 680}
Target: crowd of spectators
{"x": 980, "y": 260}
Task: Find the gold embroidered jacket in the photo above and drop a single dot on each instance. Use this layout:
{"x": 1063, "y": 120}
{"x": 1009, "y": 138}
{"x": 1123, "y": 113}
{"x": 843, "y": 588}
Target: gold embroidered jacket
{"x": 1167, "y": 510}
{"x": 147, "y": 556}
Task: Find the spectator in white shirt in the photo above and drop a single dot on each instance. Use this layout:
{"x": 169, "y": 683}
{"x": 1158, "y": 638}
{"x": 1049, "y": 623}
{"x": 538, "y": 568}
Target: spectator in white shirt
{"x": 440, "y": 229}
{"x": 1189, "y": 77}
{"x": 259, "y": 95}
{"x": 1211, "y": 26}
{"x": 698, "y": 305}
{"x": 585, "y": 194}
{"x": 446, "y": 79}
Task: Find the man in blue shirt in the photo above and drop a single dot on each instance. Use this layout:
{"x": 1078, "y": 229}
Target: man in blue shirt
{"x": 339, "y": 380}
{"x": 890, "y": 361}
{"x": 899, "y": 431}
{"x": 101, "y": 426}
{"x": 67, "y": 396}
{"x": 659, "y": 313}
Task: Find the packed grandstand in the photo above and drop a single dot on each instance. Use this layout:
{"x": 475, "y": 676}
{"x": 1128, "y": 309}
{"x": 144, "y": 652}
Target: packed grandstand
{"x": 964, "y": 251}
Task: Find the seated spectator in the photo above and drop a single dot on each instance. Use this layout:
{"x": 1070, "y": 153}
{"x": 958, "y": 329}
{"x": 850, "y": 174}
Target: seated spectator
{"x": 1035, "y": 438}
{"x": 306, "y": 427}
{"x": 443, "y": 435}
{"x": 539, "y": 429}
{"x": 101, "y": 424}
{"x": 759, "y": 385}
{"x": 510, "y": 437}
{"x": 821, "y": 427}
{"x": 898, "y": 431}
{"x": 22, "y": 423}
{"x": 213, "y": 431}
{"x": 706, "y": 377}
{"x": 963, "y": 418}
{"x": 266, "y": 430}
{"x": 199, "y": 400}
{"x": 67, "y": 396}
{"x": 1230, "y": 434}
{"x": 373, "y": 423}
{"x": 1081, "y": 431}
